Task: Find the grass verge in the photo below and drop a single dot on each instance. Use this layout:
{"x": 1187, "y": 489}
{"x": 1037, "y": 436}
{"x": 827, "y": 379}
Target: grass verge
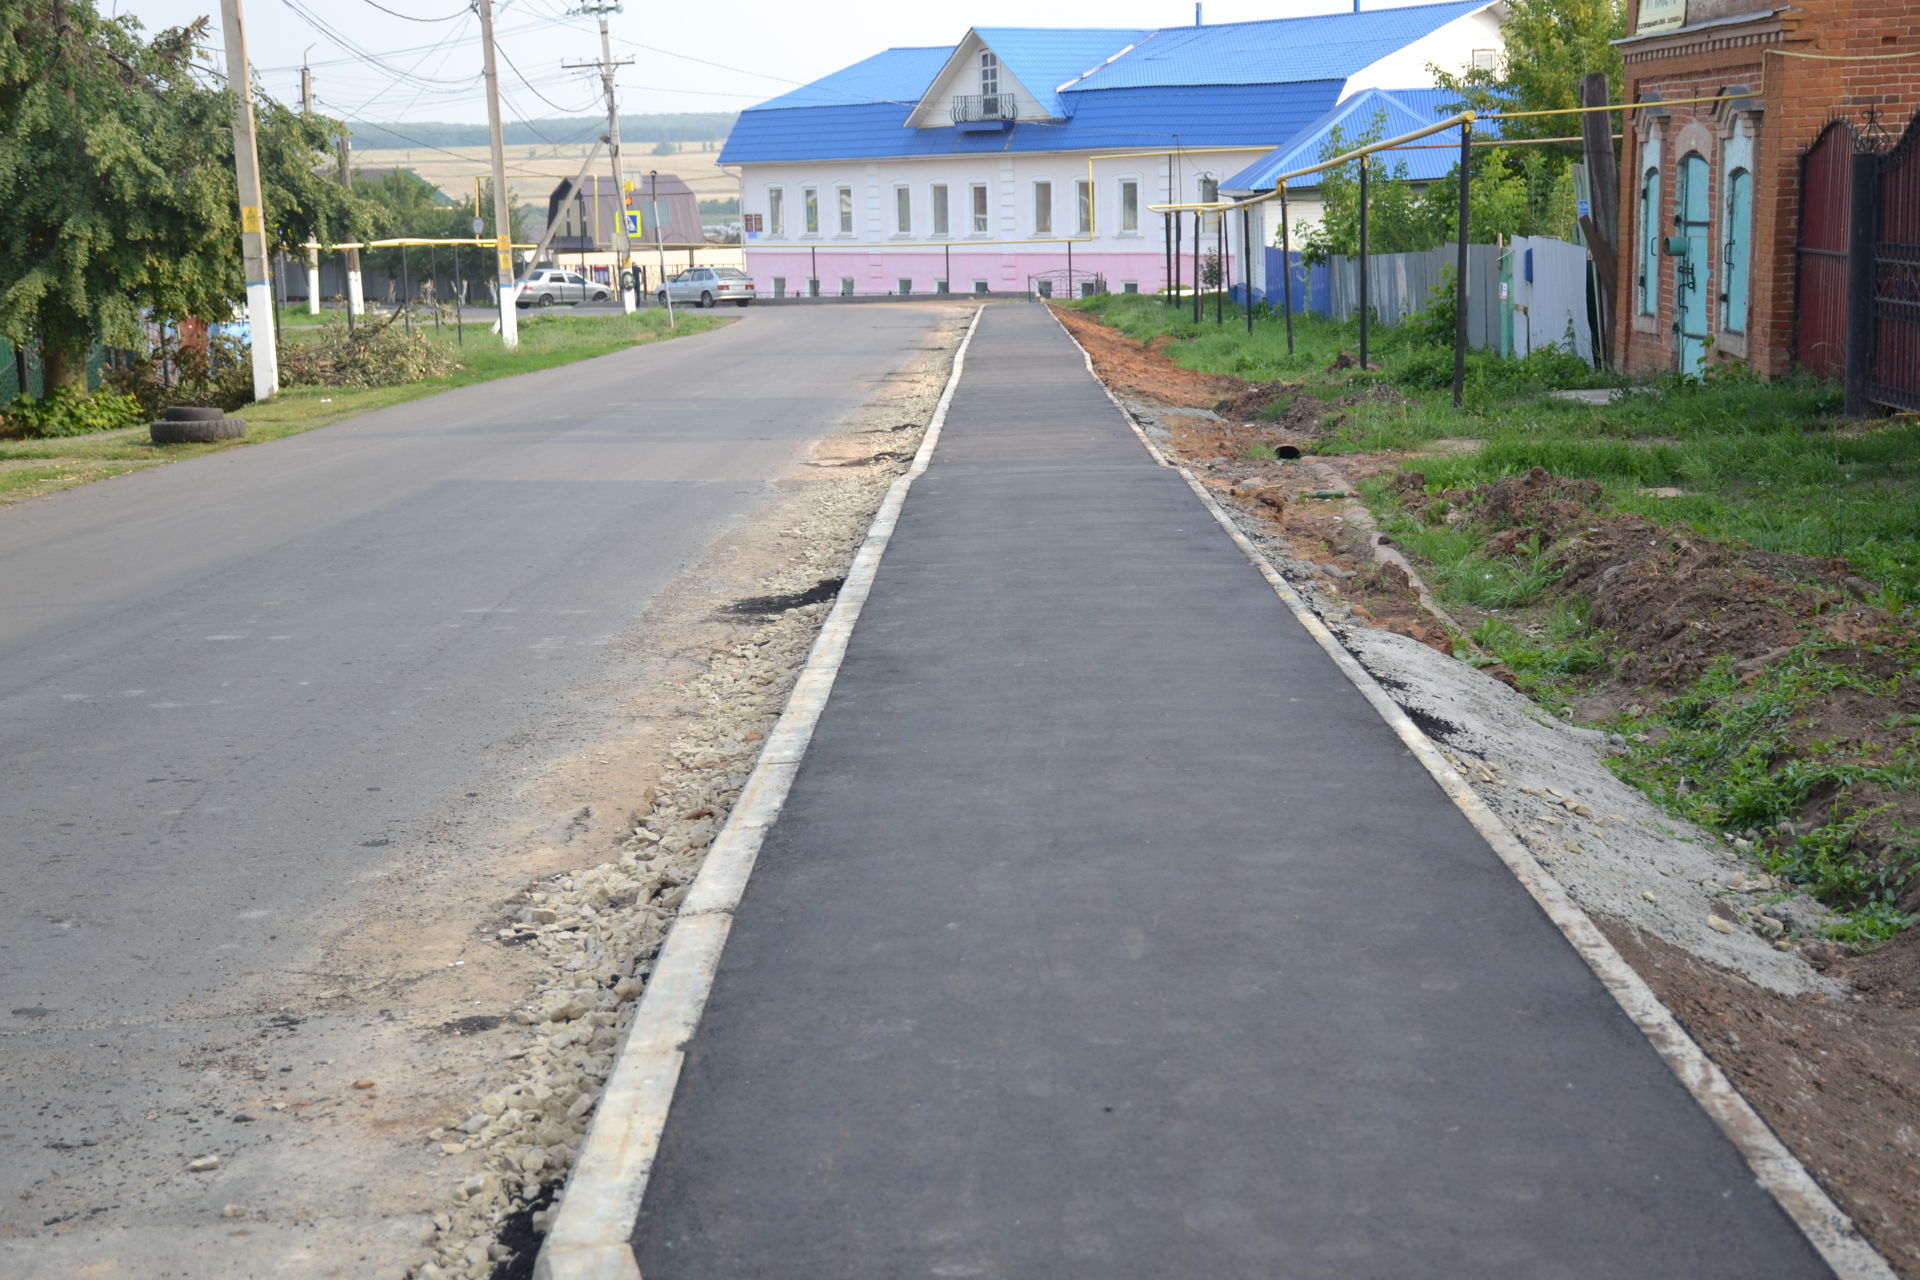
{"x": 30, "y": 468}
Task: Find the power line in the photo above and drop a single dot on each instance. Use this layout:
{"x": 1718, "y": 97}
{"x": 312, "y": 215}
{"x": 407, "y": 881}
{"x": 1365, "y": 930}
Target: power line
{"x": 410, "y": 18}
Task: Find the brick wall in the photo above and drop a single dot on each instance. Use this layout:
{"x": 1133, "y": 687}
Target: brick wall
{"x": 1799, "y": 97}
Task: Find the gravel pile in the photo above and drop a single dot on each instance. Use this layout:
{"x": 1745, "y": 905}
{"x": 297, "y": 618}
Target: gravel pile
{"x": 602, "y": 928}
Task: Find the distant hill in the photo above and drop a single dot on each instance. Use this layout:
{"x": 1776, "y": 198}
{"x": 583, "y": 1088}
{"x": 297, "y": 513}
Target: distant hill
{"x": 685, "y": 126}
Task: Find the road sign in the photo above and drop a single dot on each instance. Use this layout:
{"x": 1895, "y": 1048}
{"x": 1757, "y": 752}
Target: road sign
{"x": 633, "y": 224}
{"x": 478, "y": 226}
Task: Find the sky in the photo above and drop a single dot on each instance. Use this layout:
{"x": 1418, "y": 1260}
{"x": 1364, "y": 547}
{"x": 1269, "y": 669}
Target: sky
{"x": 371, "y": 65}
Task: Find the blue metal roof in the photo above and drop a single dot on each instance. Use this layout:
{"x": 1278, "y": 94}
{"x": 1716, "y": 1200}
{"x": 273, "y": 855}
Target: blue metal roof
{"x": 1122, "y": 119}
{"x": 1319, "y": 47}
{"x": 1397, "y": 111}
{"x": 898, "y": 76}
{"x": 1242, "y": 83}
{"x": 1044, "y": 58}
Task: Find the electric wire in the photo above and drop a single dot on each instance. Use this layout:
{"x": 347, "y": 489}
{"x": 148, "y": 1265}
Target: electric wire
{"x": 410, "y": 18}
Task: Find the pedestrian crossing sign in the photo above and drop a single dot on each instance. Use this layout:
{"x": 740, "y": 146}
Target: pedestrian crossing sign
{"x": 633, "y": 224}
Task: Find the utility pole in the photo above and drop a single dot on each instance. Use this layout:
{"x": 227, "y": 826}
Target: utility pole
{"x": 622, "y": 245}
{"x": 313, "y": 255}
{"x": 253, "y": 228}
{"x": 502, "y": 204}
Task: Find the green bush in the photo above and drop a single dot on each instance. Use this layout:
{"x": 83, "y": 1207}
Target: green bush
{"x": 70, "y": 413}
{"x": 217, "y": 372}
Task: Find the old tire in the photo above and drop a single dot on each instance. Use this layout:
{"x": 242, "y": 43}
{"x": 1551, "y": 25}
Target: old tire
{"x": 192, "y": 413}
{"x": 200, "y": 431}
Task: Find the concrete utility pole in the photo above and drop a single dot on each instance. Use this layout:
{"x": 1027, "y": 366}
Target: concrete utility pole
{"x": 253, "y": 228}
{"x": 313, "y": 255}
{"x": 622, "y": 246}
{"x": 502, "y": 204}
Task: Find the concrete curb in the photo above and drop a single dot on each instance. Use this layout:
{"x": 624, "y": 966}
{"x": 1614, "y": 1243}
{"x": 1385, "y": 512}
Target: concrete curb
{"x": 1826, "y": 1226}
{"x": 592, "y": 1234}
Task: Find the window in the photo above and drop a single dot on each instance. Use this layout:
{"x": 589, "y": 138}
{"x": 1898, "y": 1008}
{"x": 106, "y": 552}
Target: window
{"x": 989, "y": 79}
{"x": 979, "y": 286}
{"x": 1209, "y": 190}
{"x": 903, "y": 210}
{"x": 979, "y": 208}
{"x": 776, "y": 212}
{"x": 1486, "y": 59}
{"x": 939, "y": 286}
{"x": 1043, "y": 208}
{"x": 811, "y": 199}
{"x": 1046, "y": 288}
{"x": 1129, "y": 286}
{"x": 903, "y": 286}
{"x": 1129, "y": 205}
{"x": 813, "y": 286}
{"x": 1647, "y": 248}
{"x": 1650, "y": 242}
{"x": 846, "y": 286}
{"x": 1086, "y": 289}
{"x": 1083, "y": 201}
{"x": 940, "y": 209}
{"x": 1736, "y": 254}
{"x": 846, "y": 210}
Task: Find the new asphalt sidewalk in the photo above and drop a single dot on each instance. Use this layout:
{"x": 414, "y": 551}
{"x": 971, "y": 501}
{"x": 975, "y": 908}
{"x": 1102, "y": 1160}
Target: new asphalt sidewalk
{"x": 1108, "y": 931}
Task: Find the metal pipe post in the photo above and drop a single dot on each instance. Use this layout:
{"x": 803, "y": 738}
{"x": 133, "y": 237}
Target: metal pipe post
{"x": 1460, "y": 272}
{"x": 1178, "y": 253}
{"x": 1220, "y": 261}
{"x": 1286, "y": 268}
{"x": 1246, "y": 247}
{"x": 1196, "y": 266}
{"x": 1365, "y": 309}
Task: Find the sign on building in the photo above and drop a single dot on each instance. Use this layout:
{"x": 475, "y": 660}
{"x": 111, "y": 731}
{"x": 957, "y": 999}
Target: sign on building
{"x": 633, "y": 224}
{"x": 1661, "y": 15}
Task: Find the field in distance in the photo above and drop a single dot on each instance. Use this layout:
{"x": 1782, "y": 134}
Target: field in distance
{"x": 534, "y": 171}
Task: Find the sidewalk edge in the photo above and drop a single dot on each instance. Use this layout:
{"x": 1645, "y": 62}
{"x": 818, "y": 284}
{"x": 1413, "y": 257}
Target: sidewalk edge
{"x": 1825, "y": 1225}
{"x": 591, "y": 1237}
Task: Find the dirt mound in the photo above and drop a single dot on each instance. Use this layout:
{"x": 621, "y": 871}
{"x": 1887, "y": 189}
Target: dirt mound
{"x": 1256, "y": 401}
{"x": 1141, "y": 370}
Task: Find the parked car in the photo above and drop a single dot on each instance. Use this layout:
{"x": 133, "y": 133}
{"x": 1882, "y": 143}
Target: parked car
{"x": 709, "y": 286}
{"x": 547, "y": 286}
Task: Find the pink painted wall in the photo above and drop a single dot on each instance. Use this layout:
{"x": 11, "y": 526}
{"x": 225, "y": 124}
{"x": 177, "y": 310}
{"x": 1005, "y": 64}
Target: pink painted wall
{"x": 1005, "y": 268}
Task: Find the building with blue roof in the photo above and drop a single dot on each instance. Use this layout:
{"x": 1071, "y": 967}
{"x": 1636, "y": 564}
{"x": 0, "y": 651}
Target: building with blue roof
{"x": 1026, "y": 158}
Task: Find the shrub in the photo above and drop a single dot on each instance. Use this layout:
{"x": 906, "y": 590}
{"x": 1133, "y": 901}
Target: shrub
{"x": 218, "y": 372}
{"x": 70, "y": 413}
{"x": 376, "y": 354}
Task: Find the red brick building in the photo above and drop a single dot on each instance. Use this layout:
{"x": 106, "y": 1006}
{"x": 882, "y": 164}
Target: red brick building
{"x": 1710, "y": 192}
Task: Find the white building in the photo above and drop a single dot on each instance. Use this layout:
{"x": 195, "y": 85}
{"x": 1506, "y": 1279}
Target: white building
{"x": 1032, "y": 158}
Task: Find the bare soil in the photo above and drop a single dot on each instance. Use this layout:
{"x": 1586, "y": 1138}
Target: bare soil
{"x": 1837, "y": 1078}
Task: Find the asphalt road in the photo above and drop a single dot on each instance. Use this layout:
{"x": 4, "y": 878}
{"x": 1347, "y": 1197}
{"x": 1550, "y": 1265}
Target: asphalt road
{"x": 234, "y": 689}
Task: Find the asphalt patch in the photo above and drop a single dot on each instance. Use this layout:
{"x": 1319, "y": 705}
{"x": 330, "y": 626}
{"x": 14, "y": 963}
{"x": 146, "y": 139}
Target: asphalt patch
{"x": 825, "y": 589}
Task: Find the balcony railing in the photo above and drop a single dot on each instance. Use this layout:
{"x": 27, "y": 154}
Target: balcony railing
{"x": 976, "y": 108}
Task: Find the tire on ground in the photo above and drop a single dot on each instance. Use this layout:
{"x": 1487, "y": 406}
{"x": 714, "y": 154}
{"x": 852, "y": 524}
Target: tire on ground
{"x": 192, "y": 413}
{"x": 203, "y": 431}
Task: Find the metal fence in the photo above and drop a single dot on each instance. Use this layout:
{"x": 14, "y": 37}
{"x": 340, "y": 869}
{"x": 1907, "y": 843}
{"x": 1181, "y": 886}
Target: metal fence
{"x": 21, "y": 372}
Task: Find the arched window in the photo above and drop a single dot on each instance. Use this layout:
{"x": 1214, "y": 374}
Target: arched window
{"x": 1209, "y": 189}
{"x": 1650, "y": 242}
{"x": 989, "y": 76}
{"x": 1736, "y": 229}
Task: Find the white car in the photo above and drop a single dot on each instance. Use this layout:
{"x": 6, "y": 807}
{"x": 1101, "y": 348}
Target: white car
{"x": 548, "y": 285}
{"x": 709, "y": 286}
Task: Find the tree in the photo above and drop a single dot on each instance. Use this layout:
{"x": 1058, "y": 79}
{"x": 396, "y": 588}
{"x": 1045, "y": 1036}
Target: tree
{"x": 117, "y": 197}
{"x": 1550, "y": 45}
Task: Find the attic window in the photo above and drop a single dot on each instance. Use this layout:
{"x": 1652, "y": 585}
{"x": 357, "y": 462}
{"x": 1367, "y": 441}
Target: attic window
{"x": 989, "y": 74}
{"x": 1486, "y": 59}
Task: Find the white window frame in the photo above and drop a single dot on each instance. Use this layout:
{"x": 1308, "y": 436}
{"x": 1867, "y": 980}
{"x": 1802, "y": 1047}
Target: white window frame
{"x": 902, "y": 209}
{"x": 843, "y": 206}
{"x": 1083, "y": 210}
{"x": 989, "y": 74}
{"x": 942, "y": 217}
{"x": 1124, "y": 182}
{"x": 810, "y": 210}
{"x": 776, "y": 211}
{"x": 1043, "y": 206}
{"x": 980, "y": 208}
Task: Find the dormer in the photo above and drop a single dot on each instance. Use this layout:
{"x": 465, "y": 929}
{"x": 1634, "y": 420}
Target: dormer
{"x": 977, "y": 91}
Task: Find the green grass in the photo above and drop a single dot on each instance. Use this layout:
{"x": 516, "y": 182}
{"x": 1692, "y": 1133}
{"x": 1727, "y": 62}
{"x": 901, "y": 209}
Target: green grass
{"x": 1770, "y": 463}
{"x": 29, "y": 468}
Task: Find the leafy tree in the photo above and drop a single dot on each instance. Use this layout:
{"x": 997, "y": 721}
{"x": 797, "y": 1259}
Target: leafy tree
{"x": 1550, "y": 46}
{"x": 117, "y": 197}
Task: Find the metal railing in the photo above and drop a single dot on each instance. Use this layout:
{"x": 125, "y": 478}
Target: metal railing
{"x": 973, "y": 108}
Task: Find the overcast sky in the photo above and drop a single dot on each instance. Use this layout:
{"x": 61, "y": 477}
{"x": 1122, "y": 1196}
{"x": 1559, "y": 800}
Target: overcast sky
{"x": 369, "y": 65}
